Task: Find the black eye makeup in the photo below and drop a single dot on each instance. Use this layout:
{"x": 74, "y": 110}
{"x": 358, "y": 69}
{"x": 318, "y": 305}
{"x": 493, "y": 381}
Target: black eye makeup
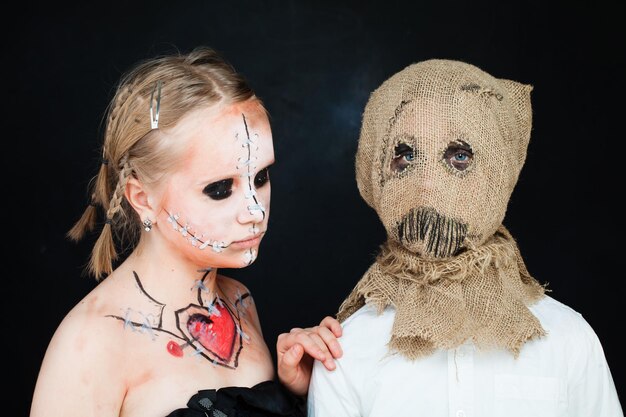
{"x": 458, "y": 156}
{"x": 219, "y": 190}
{"x": 262, "y": 177}
{"x": 403, "y": 156}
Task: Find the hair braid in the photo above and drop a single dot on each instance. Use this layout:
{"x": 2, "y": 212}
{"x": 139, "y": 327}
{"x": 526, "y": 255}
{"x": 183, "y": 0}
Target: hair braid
{"x": 104, "y": 252}
{"x": 199, "y": 79}
{"x": 86, "y": 222}
{"x": 102, "y": 184}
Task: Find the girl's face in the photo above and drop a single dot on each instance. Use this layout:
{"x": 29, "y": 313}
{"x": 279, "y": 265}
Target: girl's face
{"x": 214, "y": 207}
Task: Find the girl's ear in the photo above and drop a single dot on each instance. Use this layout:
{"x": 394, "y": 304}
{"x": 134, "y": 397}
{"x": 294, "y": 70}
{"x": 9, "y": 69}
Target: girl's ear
{"x": 139, "y": 198}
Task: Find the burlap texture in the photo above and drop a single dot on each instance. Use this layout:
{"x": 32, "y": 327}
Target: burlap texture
{"x": 480, "y": 295}
{"x": 449, "y": 267}
{"x": 429, "y": 105}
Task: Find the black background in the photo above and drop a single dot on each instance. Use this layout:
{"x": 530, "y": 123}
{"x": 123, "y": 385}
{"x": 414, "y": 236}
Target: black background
{"x": 314, "y": 64}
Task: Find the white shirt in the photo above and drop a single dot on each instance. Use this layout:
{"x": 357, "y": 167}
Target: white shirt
{"x": 562, "y": 374}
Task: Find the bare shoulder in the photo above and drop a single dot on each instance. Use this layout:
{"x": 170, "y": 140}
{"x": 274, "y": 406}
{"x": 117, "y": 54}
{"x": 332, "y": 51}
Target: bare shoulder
{"x": 237, "y": 292}
{"x": 84, "y": 355}
{"x": 240, "y": 296}
{"x": 84, "y": 329}
{"x": 231, "y": 285}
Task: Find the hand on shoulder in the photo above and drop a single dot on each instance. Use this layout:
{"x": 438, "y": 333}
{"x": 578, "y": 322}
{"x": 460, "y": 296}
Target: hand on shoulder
{"x": 297, "y": 349}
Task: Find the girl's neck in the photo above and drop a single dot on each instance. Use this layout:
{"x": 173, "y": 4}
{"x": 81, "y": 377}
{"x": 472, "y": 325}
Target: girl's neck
{"x": 168, "y": 278}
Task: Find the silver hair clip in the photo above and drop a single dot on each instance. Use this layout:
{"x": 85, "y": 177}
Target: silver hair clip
{"x": 154, "y": 116}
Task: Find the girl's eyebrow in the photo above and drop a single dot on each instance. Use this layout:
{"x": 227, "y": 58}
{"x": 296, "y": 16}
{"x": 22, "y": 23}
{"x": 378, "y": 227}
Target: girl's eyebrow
{"x": 213, "y": 181}
{"x": 271, "y": 164}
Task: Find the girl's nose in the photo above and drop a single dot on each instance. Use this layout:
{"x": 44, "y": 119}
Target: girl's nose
{"x": 252, "y": 209}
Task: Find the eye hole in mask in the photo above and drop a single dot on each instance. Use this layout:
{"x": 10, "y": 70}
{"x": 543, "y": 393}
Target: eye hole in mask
{"x": 403, "y": 157}
{"x": 458, "y": 155}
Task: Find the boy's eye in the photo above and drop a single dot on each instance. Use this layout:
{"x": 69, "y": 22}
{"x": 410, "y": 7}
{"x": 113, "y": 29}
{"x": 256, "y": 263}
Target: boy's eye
{"x": 219, "y": 190}
{"x": 262, "y": 177}
{"x": 403, "y": 156}
{"x": 458, "y": 155}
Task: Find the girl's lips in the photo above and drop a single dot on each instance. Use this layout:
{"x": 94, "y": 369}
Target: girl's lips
{"x": 247, "y": 243}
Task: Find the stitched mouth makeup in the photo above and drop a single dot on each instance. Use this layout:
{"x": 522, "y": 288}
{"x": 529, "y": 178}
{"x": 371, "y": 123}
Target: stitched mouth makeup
{"x": 196, "y": 239}
{"x": 425, "y": 229}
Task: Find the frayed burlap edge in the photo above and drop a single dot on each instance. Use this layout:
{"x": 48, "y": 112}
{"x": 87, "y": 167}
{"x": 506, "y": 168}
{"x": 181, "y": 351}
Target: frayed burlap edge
{"x": 481, "y": 295}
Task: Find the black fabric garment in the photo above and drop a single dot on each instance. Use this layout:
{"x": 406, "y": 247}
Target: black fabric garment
{"x": 266, "y": 399}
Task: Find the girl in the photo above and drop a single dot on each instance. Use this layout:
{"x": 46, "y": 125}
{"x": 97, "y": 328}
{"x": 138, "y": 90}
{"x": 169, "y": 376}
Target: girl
{"x": 185, "y": 183}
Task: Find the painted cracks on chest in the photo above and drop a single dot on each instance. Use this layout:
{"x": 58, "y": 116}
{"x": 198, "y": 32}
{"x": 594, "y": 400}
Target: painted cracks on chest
{"x": 209, "y": 329}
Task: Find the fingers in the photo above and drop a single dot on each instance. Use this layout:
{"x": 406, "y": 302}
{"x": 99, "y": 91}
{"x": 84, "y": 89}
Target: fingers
{"x": 284, "y": 342}
{"x": 314, "y": 339}
{"x": 330, "y": 341}
{"x": 315, "y": 349}
{"x": 332, "y": 324}
{"x": 319, "y": 342}
{"x": 292, "y": 357}
{"x": 289, "y": 370}
{"x": 329, "y": 330}
{"x": 313, "y": 344}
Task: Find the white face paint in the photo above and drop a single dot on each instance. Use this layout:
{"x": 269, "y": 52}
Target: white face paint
{"x": 215, "y": 207}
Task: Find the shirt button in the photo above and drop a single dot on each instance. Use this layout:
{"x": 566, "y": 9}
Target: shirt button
{"x": 460, "y": 413}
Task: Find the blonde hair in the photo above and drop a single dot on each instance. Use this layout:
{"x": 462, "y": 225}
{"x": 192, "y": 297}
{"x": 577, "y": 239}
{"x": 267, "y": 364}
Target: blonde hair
{"x": 200, "y": 78}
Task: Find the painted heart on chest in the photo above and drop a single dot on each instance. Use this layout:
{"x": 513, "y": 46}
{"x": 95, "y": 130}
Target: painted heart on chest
{"x": 212, "y": 331}
{"x": 215, "y": 332}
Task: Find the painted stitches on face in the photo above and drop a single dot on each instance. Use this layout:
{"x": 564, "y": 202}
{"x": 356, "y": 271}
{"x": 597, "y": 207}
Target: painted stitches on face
{"x": 245, "y": 180}
{"x": 252, "y": 184}
{"x": 442, "y": 236}
{"x": 261, "y": 178}
{"x": 196, "y": 238}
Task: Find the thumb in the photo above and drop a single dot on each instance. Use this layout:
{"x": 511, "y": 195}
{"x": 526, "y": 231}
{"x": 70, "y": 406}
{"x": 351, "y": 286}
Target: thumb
{"x": 290, "y": 361}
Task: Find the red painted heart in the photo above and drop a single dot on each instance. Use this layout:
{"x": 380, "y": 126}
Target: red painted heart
{"x": 215, "y": 332}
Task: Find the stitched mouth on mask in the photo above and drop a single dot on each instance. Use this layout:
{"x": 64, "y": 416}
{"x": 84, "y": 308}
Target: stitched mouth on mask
{"x": 440, "y": 236}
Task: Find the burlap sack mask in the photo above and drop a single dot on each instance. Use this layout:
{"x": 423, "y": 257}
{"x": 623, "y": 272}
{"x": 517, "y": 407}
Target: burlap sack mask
{"x": 440, "y": 151}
